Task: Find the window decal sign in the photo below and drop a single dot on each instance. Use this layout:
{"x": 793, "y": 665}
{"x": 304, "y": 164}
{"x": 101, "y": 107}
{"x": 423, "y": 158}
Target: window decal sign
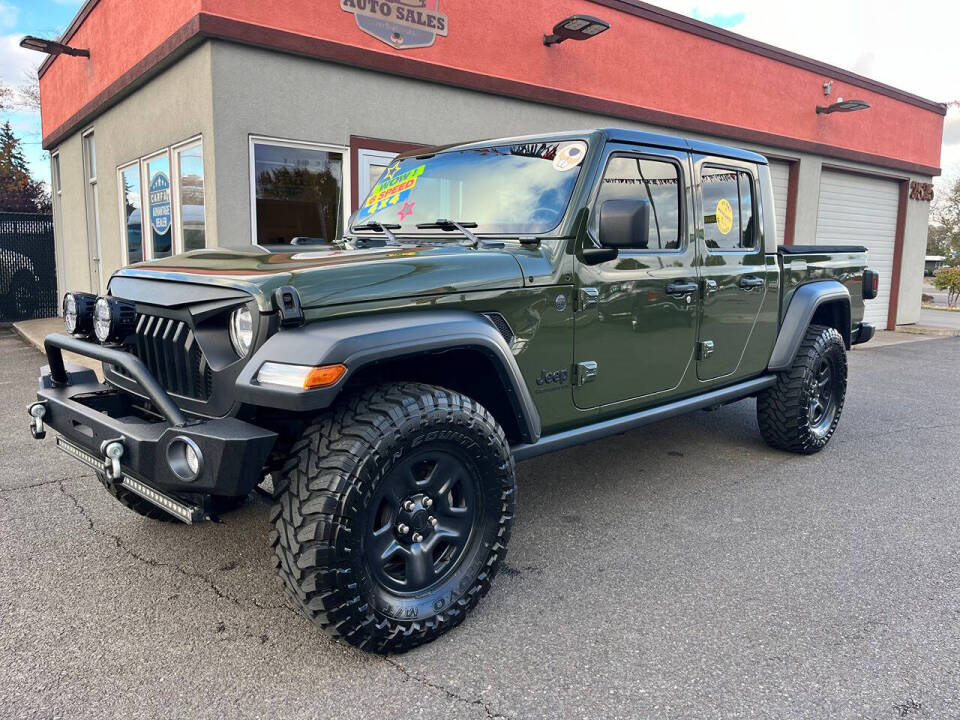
{"x": 401, "y": 24}
{"x": 569, "y": 156}
{"x": 160, "y": 208}
{"x": 394, "y": 187}
{"x": 724, "y": 216}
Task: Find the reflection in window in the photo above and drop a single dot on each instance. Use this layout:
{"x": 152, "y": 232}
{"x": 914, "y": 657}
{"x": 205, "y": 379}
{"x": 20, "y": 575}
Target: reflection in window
{"x": 191, "y": 205}
{"x": 160, "y": 215}
{"x": 523, "y": 188}
{"x": 132, "y": 215}
{"x": 299, "y": 193}
{"x": 728, "y": 220}
{"x": 658, "y": 182}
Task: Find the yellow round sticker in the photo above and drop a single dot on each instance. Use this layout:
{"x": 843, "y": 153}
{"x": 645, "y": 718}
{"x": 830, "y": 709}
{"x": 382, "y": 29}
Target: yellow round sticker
{"x": 724, "y": 216}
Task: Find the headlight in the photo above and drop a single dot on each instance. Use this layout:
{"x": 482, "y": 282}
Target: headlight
{"x": 78, "y": 312}
{"x": 241, "y": 331}
{"x": 113, "y": 320}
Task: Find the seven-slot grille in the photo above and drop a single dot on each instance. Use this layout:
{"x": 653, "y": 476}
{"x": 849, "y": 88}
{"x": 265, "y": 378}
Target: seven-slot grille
{"x": 170, "y": 351}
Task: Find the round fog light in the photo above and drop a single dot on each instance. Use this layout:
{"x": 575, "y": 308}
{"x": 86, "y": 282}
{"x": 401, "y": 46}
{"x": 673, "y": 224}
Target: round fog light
{"x": 185, "y": 459}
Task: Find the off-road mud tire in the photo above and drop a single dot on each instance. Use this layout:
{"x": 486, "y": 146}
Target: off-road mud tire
{"x": 326, "y": 508}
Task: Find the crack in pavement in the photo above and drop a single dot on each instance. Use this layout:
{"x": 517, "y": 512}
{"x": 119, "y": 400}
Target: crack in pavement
{"x": 45, "y": 482}
{"x": 446, "y": 691}
{"x": 211, "y": 584}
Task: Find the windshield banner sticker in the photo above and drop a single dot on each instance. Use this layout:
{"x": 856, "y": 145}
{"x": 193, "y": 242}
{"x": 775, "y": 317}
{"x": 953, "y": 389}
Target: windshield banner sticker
{"x": 569, "y": 156}
{"x": 401, "y": 24}
{"x": 392, "y": 189}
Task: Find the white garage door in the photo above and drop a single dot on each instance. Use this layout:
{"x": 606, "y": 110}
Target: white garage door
{"x": 859, "y": 210}
{"x": 780, "y": 175}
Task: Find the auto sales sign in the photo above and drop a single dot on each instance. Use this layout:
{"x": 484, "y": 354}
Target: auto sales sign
{"x": 401, "y": 24}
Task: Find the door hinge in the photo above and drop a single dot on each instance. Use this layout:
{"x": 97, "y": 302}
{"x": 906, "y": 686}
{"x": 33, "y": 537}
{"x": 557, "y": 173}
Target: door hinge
{"x": 588, "y": 298}
{"x": 585, "y": 372}
{"x": 704, "y": 349}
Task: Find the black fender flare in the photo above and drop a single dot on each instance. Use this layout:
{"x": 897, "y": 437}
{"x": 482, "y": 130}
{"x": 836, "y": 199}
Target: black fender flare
{"x": 359, "y": 341}
{"x": 803, "y": 306}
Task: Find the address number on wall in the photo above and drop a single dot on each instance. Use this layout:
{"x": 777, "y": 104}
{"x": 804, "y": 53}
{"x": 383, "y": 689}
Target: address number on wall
{"x": 921, "y": 191}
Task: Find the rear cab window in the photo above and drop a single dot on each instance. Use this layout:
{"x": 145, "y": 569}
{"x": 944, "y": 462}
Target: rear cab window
{"x": 729, "y": 217}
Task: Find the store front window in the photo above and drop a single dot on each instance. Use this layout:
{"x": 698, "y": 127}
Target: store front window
{"x": 191, "y": 209}
{"x": 298, "y": 192}
{"x": 160, "y": 214}
{"x": 162, "y": 208}
{"x": 131, "y": 213}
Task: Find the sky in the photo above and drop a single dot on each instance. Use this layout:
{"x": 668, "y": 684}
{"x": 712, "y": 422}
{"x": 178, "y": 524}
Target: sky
{"x": 911, "y": 47}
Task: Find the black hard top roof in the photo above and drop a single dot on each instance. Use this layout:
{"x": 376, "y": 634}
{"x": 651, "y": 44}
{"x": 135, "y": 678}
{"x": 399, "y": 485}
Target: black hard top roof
{"x": 633, "y": 137}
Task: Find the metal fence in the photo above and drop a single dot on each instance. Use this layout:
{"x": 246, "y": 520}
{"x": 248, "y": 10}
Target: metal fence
{"x": 28, "y": 267}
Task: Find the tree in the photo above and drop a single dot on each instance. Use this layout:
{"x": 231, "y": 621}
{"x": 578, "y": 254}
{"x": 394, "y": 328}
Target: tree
{"x": 19, "y": 192}
{"x": 6, "y": 97}
{"x": 948, "y": 279}
{"x": 944, "y": 230}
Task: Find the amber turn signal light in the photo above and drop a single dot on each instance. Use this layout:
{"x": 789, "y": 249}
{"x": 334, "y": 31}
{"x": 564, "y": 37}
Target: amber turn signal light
{"x": 324, "y": 376}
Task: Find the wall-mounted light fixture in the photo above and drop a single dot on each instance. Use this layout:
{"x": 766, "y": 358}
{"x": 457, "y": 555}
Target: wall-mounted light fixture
{"x": 576, "y": 27}
{"x": 842, "y": 105}
{"x": 51, "y": 47}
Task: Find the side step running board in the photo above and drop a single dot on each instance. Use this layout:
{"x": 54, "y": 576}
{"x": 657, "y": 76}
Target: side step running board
{"x": 182, "y": 511}
{"x": 615, "y": 426}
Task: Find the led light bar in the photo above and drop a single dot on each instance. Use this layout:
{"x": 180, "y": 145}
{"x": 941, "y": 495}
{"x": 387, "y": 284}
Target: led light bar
{"x": 181, "y": 511}
{"x": 82, "y": 455}
{"x": 184, "y": 512}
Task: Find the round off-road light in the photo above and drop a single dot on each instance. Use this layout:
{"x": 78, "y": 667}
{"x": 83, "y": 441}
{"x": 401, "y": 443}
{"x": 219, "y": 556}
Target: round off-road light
{"x": 102, "y": 319}
{"x": 241, "y": 331}
{"x": 113, "y": 320}
{"x": 184, "y": 458}
{"x": 78, "y": 312}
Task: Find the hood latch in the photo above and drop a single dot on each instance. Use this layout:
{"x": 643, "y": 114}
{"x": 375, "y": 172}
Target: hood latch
{"x": 287, "y": 300}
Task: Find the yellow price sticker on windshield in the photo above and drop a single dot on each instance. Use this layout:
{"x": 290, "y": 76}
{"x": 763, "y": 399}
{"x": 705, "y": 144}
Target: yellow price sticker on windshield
{"x": 724, "y": 216}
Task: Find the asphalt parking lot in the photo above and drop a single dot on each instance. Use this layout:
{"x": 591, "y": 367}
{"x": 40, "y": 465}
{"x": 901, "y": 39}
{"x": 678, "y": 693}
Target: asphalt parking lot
{"x": 680, "y": 571}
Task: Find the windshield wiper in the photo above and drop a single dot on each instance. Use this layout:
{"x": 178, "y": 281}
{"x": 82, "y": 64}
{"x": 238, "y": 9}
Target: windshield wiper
{"x": 451, "y": 225}
{"x": 386, "y": 228}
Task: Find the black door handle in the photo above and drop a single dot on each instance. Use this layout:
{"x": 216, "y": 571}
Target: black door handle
{"x": 681, "y": 288}
{"x": 749, "y": 283}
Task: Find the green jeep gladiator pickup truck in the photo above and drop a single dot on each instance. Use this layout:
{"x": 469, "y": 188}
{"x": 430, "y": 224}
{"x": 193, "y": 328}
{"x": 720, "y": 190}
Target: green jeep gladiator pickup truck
{"x": 487, "y": 303}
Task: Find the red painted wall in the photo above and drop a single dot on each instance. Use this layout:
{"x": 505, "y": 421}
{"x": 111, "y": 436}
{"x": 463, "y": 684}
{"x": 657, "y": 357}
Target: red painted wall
{"x": 119, "y": 34}
{"x": 637, "y": 62}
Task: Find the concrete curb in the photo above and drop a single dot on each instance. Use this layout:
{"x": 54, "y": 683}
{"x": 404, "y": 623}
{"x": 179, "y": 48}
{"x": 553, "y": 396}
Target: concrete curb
{"x": 927, "y": 330}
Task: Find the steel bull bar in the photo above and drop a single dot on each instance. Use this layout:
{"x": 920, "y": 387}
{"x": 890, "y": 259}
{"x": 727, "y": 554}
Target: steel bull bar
{"x": 174, "y": 461}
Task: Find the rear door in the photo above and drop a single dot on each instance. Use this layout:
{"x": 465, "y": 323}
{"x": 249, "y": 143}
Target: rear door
{"x": 733, "y": 268}
{"x": 636, "y": 324}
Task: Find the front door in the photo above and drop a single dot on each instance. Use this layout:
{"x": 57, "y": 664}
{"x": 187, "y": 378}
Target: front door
{"x": 733, "y": 267}
{"x": 637, "y": 314}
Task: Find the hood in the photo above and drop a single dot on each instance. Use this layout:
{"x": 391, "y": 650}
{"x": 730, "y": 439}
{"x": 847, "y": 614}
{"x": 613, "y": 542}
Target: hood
{"x": 334, "y": 276}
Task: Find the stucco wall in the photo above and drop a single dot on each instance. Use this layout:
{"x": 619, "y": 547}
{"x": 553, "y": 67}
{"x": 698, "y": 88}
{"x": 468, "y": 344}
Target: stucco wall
{"x": 175, "y": 106}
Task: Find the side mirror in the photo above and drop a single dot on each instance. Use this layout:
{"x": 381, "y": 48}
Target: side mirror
{"x": 625, "y": 224}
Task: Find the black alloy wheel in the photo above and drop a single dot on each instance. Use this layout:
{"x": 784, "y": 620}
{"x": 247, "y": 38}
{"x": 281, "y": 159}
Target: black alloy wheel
{"x": 422, "y": 519}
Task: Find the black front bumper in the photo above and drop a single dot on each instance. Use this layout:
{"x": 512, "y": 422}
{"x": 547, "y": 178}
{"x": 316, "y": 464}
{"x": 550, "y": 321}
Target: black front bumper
{"x": 862, "y": 333}
{"x": 90, "y": 414}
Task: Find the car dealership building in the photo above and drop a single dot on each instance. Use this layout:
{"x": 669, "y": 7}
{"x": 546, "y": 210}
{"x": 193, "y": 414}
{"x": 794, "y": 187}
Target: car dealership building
{"x": 206, "y": 123}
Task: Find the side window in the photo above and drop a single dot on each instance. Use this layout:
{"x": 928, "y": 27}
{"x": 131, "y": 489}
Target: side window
{"x": 658, "y": 181}
{"x": 728, "y": 217}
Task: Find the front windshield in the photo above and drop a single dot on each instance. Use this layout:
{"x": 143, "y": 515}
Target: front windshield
{"x": 507, "y": 189}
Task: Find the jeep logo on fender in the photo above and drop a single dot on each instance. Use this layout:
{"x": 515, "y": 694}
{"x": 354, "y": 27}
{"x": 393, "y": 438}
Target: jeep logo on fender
{"x": 401, "y": 24}
{"x": 558, "y": 377}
